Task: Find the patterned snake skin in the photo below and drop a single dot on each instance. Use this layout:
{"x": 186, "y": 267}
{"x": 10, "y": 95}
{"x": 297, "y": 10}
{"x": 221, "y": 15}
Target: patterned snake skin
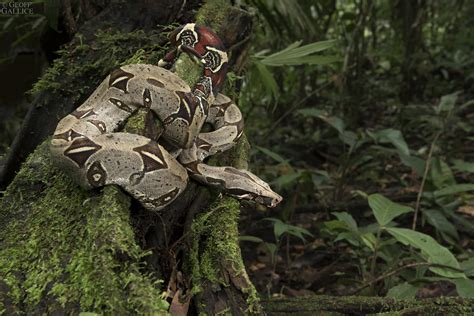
{"x": 89, "y": 146}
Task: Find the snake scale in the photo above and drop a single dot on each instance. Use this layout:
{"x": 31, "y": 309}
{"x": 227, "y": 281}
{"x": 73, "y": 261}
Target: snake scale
{"x": 89, "y": 146}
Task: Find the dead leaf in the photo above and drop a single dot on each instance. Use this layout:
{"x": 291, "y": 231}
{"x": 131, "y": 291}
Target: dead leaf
{"x": 467, "y": 210}
{"x": 178, "y": 308}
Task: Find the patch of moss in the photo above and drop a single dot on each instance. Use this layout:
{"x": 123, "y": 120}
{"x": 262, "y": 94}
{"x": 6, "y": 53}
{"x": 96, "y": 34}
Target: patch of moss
{"x": 136, "y": 122}
{"x": 88, "y": 259}
{"x": 213, "y": 13}
{"x": 211, "y": 245}
{"x": 65, "y": 76}
{"x": 370, "y": 305}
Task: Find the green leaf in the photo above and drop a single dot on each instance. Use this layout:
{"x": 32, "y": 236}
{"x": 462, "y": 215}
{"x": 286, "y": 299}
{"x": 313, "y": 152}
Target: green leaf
{"x": 413, "y": 162}
{"x": 335, "y": 225}
{"x": 295, "y": 55}
{"x": 272, "y": 248}
{"x": 272, "y": 154}
{"x": 350, "y": 237}
{"x": 441, "y": 174}
{"x": 403, "y": 291}
{"x": 312, "y": 112}
{"x": 307, "y": 60}
{"x": 430, "y": 250}
{"x": 346, "y": 218}
{"x": 468, "y": 266}
{"x": 453, "y": 189}
{"x": 8, "y": 22}
{"x": 447, "y": 103}
{"x": 395, "y": 137}
{"x": 385, "y": 210}
{"x": 463, "y": 166}
{"x": 267, "y": 78}
{"x": 250, "y": 238}
{"x": 369, "y": 240}
{"x": 464, "y": 287}
{"x": 349, "y": 137}
{"x": 440, "y": 222}
{"x": 294, "y": 50}
{"x": 280, "y": 228}
{"x": 334, "y": 121}
{"x": 287, "y": 179}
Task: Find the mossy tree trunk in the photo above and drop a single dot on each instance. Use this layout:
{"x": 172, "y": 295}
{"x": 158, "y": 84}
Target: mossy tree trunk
{"x": 66, "y": 250}
{"x": 360, "y": 305}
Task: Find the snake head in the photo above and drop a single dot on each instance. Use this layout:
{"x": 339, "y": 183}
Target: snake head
{"x": 266, "y": 197}
{"x": 269, "y": 199}
{"x": 201, "y": 42}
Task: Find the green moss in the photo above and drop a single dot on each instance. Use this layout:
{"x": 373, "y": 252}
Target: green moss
{"x": 88, "y": 256}
{"x": 214, "y": 13}
{"x": 136, "y": 123}
{"x": 370, "y": 305}
{"x": 211, "y": 245}
{"x": 90, "y": 67}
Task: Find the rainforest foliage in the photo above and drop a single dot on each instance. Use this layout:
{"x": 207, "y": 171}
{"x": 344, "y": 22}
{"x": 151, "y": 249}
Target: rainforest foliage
{"x": 361, "y": 115}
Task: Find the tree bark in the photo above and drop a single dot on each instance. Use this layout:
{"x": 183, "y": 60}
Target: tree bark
{"x": 66, "y": 250}
{"x": 410, "y": 17}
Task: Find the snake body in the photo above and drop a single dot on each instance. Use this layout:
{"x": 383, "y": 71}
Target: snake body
{"x": 88, "y": 143}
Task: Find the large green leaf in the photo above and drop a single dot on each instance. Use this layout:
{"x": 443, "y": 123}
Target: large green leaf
{"x": 334, "y": 121}
{"x": 306, "y": 60}
{"x": 447, "y": 103}
{"x": 385, "y": 210}
{"x": 463, "y": 166}
{"x": 295, "y": 50}
{"x": 267, "y": 79}
{"x": 413, "y": 162}
{"x": 287, "y": 179}
{"x": 403, "y": 291}
{"x": 279, "y": 228}
{"x": 250, "y": 238}
{"x": 312, "y": 112}
{"x": 430, "y": 250}
{"x": 301, "y": 55}
{"x": 468, "y": 266}
{"x": 272, "y": 154}
{"x": 465, "y": 287}
{"x": 437, "y": 219}
{"x": 453, "y": 189}
{"x": 441, "y": 174}
{"x": 347, "y": 219}
{"x": 395, "y": 137}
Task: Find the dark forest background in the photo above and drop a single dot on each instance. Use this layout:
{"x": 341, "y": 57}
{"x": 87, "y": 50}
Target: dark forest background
{"x": 360, "y": 114}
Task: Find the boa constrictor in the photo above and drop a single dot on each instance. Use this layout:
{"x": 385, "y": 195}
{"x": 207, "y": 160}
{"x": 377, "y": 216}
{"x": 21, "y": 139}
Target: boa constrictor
{"x": 88, "y": 143}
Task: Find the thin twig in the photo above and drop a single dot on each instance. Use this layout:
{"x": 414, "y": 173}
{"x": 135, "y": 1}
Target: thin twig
{"x": 423, "y": 181}
{"x": 398, "y": 270}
